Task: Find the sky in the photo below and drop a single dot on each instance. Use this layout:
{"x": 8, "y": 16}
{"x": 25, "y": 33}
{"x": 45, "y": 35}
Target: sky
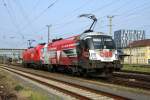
{"x": 23, "y": 20}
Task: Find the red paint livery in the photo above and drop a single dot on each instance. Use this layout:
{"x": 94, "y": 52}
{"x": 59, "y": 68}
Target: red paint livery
{"x": 33, "y": 55}
{"x": 61, "y": 51}
{"x": 89, "y": 53}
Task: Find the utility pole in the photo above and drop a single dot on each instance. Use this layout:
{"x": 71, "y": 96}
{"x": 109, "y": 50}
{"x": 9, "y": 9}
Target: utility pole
{"x": 110, "y": 24}
{"x": 48, "y": 26}
{"x": 30, "y": 42}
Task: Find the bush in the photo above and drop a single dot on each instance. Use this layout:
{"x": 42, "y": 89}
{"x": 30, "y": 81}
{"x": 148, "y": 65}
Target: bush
{"x": 18, "y": 88}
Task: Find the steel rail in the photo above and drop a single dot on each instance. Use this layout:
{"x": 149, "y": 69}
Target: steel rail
{"x": 83, "y": 93}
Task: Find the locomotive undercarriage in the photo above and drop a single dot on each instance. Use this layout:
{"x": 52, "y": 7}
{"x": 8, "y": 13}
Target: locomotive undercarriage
{"x": 32, "y": 64}
{"x": 104, "y": 71}
{"x": 91, "y": 68}
{"x": 96, "y": 68}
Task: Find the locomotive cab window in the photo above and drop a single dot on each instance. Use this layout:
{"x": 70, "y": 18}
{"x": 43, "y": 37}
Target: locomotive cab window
{"x": 103, "y": 42}
{"x": 109, "y": 43}
{"x": 89, "y": 43}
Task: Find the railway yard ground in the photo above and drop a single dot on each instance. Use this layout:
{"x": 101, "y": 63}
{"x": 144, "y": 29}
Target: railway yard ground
{"x": 13, "y": 87}
{"x": 27, "y": 89}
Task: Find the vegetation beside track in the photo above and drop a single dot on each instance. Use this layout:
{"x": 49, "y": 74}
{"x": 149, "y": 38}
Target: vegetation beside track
{"x": 14, "y": 89}
{"x": 136, "y": 68}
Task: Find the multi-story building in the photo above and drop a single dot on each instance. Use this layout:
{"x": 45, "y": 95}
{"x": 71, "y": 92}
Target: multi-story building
{"x": 123, "y": 37}
{"x": 138, "y": 51}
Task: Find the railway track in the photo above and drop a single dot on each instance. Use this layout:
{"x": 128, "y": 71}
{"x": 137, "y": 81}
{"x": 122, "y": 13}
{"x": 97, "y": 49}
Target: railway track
{"x": 74, "y": 90}
{"x": 98, "y": 84}
{"x": 136, "y": 72}
{"x": 132, "y": 79}
{"x": 129, "y": 79}
{"x": 130, "y": 75}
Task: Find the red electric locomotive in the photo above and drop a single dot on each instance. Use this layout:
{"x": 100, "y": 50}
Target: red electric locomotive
{"x": 90, "y": 53}
{"x": 32, "y": 56}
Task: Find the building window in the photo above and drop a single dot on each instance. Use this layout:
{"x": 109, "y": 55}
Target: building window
{"x": 142, "y": 54}
{"x": 148, "y": 61}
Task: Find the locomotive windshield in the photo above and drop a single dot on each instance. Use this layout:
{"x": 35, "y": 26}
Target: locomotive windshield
{"x": 101, "y": 42}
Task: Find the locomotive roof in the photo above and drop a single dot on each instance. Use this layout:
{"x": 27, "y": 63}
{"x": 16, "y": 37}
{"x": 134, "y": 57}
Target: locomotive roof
{"x": 39, "y": 46}
{"x": 83, "y": 35}
{"x": 64, "y": 41}
{"x": 41, "y": 43}
{"x": 76, "y": 37}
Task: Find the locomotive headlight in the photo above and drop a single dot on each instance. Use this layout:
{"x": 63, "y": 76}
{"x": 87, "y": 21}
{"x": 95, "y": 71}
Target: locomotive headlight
{"x": 116, "y": 56}
{"x": 93, "y": 56}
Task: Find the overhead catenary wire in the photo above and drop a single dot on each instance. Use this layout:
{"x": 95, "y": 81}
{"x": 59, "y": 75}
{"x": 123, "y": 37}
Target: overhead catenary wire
{"x": 96, "y": 10}
{"x": 12, "y": 19}
{"x": 74, "y": 10}
{"x": 110, "y": 4}
{"x": 71, "y": 14}
{"x": 131, "y": 14}
{"x": 121, "y": 6}
{"x": 57, "y": 26}
{"x": 128, "y": 13}
{"x": 102, "y": 7}
{"x": 131, "y": 11}
{"x": 24, "y": 14}
{"x": 81, "y": 29}
{"x": 36, "y": 4}
{"x": 40, "y": 14}
{"x": 76, "y": 31}
{"x": 71, "y": 22}
{"x": 124, "y": 13}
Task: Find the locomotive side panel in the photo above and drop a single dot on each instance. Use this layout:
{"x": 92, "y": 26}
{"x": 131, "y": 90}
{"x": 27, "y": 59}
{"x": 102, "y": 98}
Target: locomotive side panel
{"x": 52, "y": 51}
{"x": 69, "y": 53}
{"x": 63, "y": 52}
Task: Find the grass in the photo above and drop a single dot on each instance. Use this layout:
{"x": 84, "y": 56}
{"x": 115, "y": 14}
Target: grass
{"x": 136, "y": 68}
{"x": 7, "y": 81}
{"x": 15, "y": 86}
{"x": 38, "y": 96}
{"x": 33, "y": 95}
